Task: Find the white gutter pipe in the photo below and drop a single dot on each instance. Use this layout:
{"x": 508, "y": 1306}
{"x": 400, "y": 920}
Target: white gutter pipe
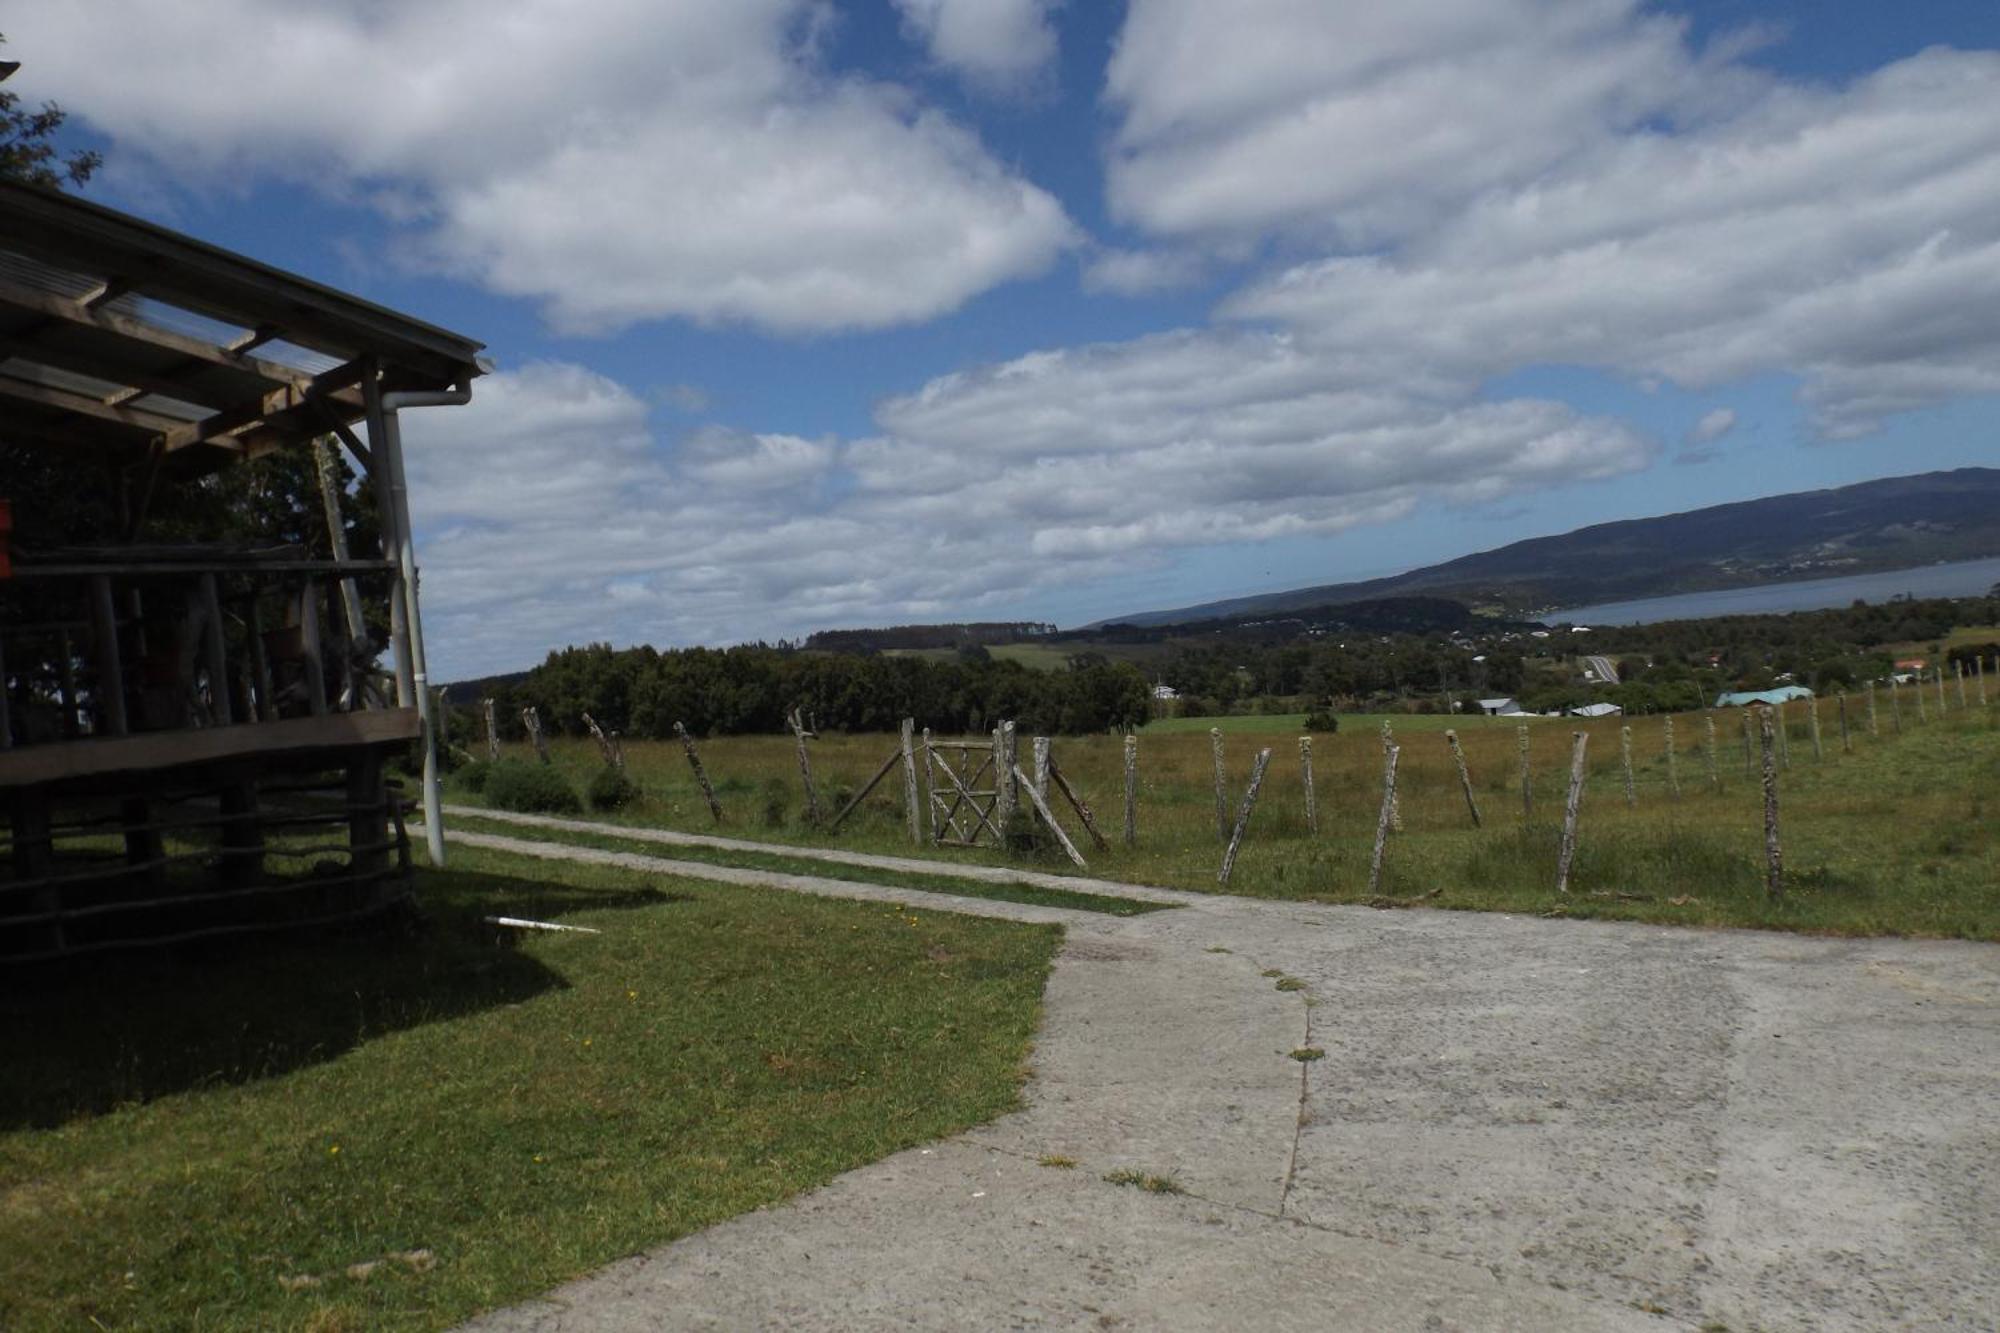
{"x": 390, "y": 457}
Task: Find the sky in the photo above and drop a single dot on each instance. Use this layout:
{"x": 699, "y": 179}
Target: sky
{"x": 810, "y": 315}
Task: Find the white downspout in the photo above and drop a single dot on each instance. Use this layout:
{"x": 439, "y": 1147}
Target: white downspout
{"x": 392, "y": 460}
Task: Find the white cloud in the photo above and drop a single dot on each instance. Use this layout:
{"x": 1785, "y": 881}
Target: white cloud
{"x": 1712, "y": 426}
{"x": 1141, "y": 272}
{"x": 618, "y": 162}
{"x": 997, "y": 45}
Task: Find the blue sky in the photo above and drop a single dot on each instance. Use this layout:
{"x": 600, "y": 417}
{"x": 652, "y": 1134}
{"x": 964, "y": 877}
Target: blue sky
{"x": 830, "y": 314}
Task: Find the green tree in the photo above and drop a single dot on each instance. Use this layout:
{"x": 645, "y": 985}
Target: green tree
{"x": 26, "y": 148}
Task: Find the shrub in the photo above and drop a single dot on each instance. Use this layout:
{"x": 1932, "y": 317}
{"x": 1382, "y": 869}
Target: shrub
{"x": 1325, "y": 722}
{"x": 777, "y": 802}
{"x": 473, "y": 776}
{"x": 610, "y": 789}
{"x": 529, "y": 789}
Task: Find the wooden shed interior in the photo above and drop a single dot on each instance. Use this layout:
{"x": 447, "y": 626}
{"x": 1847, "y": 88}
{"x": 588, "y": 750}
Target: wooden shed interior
{"x": 195, "y": 716}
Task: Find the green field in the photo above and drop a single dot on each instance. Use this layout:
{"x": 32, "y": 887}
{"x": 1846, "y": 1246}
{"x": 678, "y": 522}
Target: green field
{"x": 1896, "y": 837}
{"x": 1293, "y": 724}
{"x": 217, "y": 1140}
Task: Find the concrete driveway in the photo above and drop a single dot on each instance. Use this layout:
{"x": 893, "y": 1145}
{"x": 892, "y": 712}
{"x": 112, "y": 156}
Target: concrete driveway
{"x": 1515, "y": 1124}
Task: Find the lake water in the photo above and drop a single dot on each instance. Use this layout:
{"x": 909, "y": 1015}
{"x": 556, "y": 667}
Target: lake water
{"x": 1967, "y": 578}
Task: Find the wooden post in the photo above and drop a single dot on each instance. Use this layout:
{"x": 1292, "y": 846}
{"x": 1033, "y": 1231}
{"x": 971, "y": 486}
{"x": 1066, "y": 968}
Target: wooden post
{"x": 492, "y": 731}
{"x": 1625, "y": 759}
{"x": 700, "y": 774}
{"x": 1386, "y": 818}
{"x": 1784, "y": 737}
{"x": 531, "y": 718}
{"x": 854, "y": 802}
{"x": 1566, "y": 856}
{"x": 999, "y": 782}
{"x": 1010, "y": 740}
{"x": 1464, "y": 776}
{"x": 607, "y": 750}
{"x": 1048, "y": 818}
{"x": 1774, "y": 861}
{"x": 110, "y": 691}
{"x": 1039, "y": 749}
{"x": 1923, "y": 709}
{"x": 260, "y": 664}
{"x": 1243, "y": 813}
{"x": 1527, "y": 784}
{"x": 1221, "y": 782}
{"x": 1874, "y": 728}
{"x": 1938, "y": 672}
{"x": 930, "y": 786}
{"x": 1812, "y": 728}
{"x": 1673, "y": 760}
{"x": 1131, "y": 790}
{"x": 1895, "y": 705}
{"x": 309, "y": 639}
{"x": 1078, "y": 804}
{"x": 214, "y": 652}
{"x": 1958, "y": 671}
{"x": 805, "y": 767}
{"x": 910, "y": 783}
{"x": 1846, "y": 741}
{"x": 1306, "y": 772}
{"x": 336, "y": 537}
{"x": 1979, "y": 677}
{"x": 1395, "y": 806}
{"x": 1708, "y": 752}
{"x": 1749, "y": 765}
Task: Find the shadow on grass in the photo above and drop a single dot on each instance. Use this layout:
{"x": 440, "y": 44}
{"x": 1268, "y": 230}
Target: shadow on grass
{"x": 102, "y": 1031}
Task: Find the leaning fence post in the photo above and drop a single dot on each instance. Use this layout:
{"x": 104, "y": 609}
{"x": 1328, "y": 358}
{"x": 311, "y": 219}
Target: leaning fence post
{"x": 1625, "y": 759}
{"x": 1673, "y": 760}
{"x": 1386, "y": 818}
{"x": 1306, "y": 772}
{"x": 1846, "y": 741}
{"x": 1874, "y": 729}
{"x": 805, "y": 767}
{"x": 1527, "y": 784}
{"x": 700, "y": 775}
{"x": 1131, "y": 790}
{"x": 1464, "y": 777}
{"x": 1395, "y": 806}
{"x": 531, "y": 718}
{"x": 1221, "y": 782}
{"x": 1708, "y": 752}
{"x": 492, "y": 728}
{"x": 1243, "y": 814}
{"x": 910, "y": 783}
{"x": 1566, "y": 856}
{"x": 613, "y": 757}
{"x": 1774, "y": 861}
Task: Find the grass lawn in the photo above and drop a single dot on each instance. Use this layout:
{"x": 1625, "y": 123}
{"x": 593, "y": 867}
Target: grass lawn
{"x": 215, "y": 1140}
{"x": 1293, "y": 724}
{"x": 1897, "y": 837}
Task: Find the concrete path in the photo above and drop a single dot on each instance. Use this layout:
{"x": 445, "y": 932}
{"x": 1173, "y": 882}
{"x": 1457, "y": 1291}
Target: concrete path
{"x": 1516, "y": 1124}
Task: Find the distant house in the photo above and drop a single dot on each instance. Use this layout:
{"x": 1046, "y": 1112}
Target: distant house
{"x": 1911, "y": 664}
{"x": 1165, "y": 692}
{"x": 1784, "y": 694}
{"x": 1499, "y": 707}
{"x": 1596, "y": 710}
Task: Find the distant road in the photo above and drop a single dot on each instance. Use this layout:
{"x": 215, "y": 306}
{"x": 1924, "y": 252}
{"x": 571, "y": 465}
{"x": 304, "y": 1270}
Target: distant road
{"x": 1606, "y": 669}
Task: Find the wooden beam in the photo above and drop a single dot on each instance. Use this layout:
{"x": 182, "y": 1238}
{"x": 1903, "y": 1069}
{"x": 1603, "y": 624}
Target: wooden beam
{"x": 59, "y": 762}
{"x": 137, "y": 419}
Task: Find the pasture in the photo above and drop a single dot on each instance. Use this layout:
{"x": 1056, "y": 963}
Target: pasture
{"x": 1896, "y": 837}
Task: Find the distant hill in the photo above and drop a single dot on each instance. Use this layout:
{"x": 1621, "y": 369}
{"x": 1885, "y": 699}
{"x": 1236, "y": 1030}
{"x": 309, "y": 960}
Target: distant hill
{"x": 1894, "y": 523}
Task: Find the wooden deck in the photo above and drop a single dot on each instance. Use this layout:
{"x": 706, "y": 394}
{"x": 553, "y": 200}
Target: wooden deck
{"x": 69, "y": 761}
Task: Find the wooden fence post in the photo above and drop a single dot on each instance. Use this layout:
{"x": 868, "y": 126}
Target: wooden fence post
{"x": 1774, "y": 861}
{"x": 1895, "y": 705}
{"x": 1395, "y": 806}
{"x": 1874, "y": 727}
{"x": 1979, "y": 676}
{"x": 1938, "y": 671}
{"x": 612, "y": 756}
{"x": 1958, "y": 671}
{"x": 805, "y": 766}
{"x": 1784, "y": 737}
{"x": 492, "y": 731}
{"x": 1306, "y": 773}
{"x": 1048, "y": 818}
{"x": 1221, "y": 784}
{"x": 1464, "y": 777}
{"x": 1566, "y": 857}
{"x": 1386, "y": 818}
{"x": 1749, "y": 766}
{"x": 1708, "y": 752}
{"x": 1039, "y": 749}
{"x": 1257, "y": 768}
{"x": 910, "y": 783}
{"x": 1923, "y": 709}
{"x": 1131, "y": 790}
{"x": 1625, "y": 759}
{"x": 531, "y": 718}
{"x": 1673, "y": 759}
{"x": 1846, "y": 741}
{"x": 700, "y": 775}
{"x": 1010, "y": 740}
{"x": 1078, "y": 804}
{"x": 930, "y": 786}
{"x": 1527, "y": 784}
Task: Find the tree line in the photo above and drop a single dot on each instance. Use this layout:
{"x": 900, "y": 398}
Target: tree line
{"x": 643, "y": 692}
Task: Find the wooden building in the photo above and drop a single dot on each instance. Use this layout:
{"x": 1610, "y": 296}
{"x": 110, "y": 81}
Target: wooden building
{"x": 193, "y": 729}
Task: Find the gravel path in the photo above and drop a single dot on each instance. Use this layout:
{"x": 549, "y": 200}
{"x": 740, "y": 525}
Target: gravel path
{"x": 1516, "y": 1124}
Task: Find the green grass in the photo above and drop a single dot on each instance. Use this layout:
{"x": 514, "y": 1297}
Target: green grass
{"x": 1293, "y": 724}
{"x": 1895, "y": 838}
{"x": 1146, "y": 1181}
{"x": 1034, "y": 894}
{"x": 183, "y": 1138}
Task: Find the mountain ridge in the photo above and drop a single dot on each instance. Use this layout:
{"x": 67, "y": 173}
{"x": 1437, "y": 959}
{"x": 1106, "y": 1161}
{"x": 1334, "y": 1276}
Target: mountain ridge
{"x": 1887, "y": 523}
